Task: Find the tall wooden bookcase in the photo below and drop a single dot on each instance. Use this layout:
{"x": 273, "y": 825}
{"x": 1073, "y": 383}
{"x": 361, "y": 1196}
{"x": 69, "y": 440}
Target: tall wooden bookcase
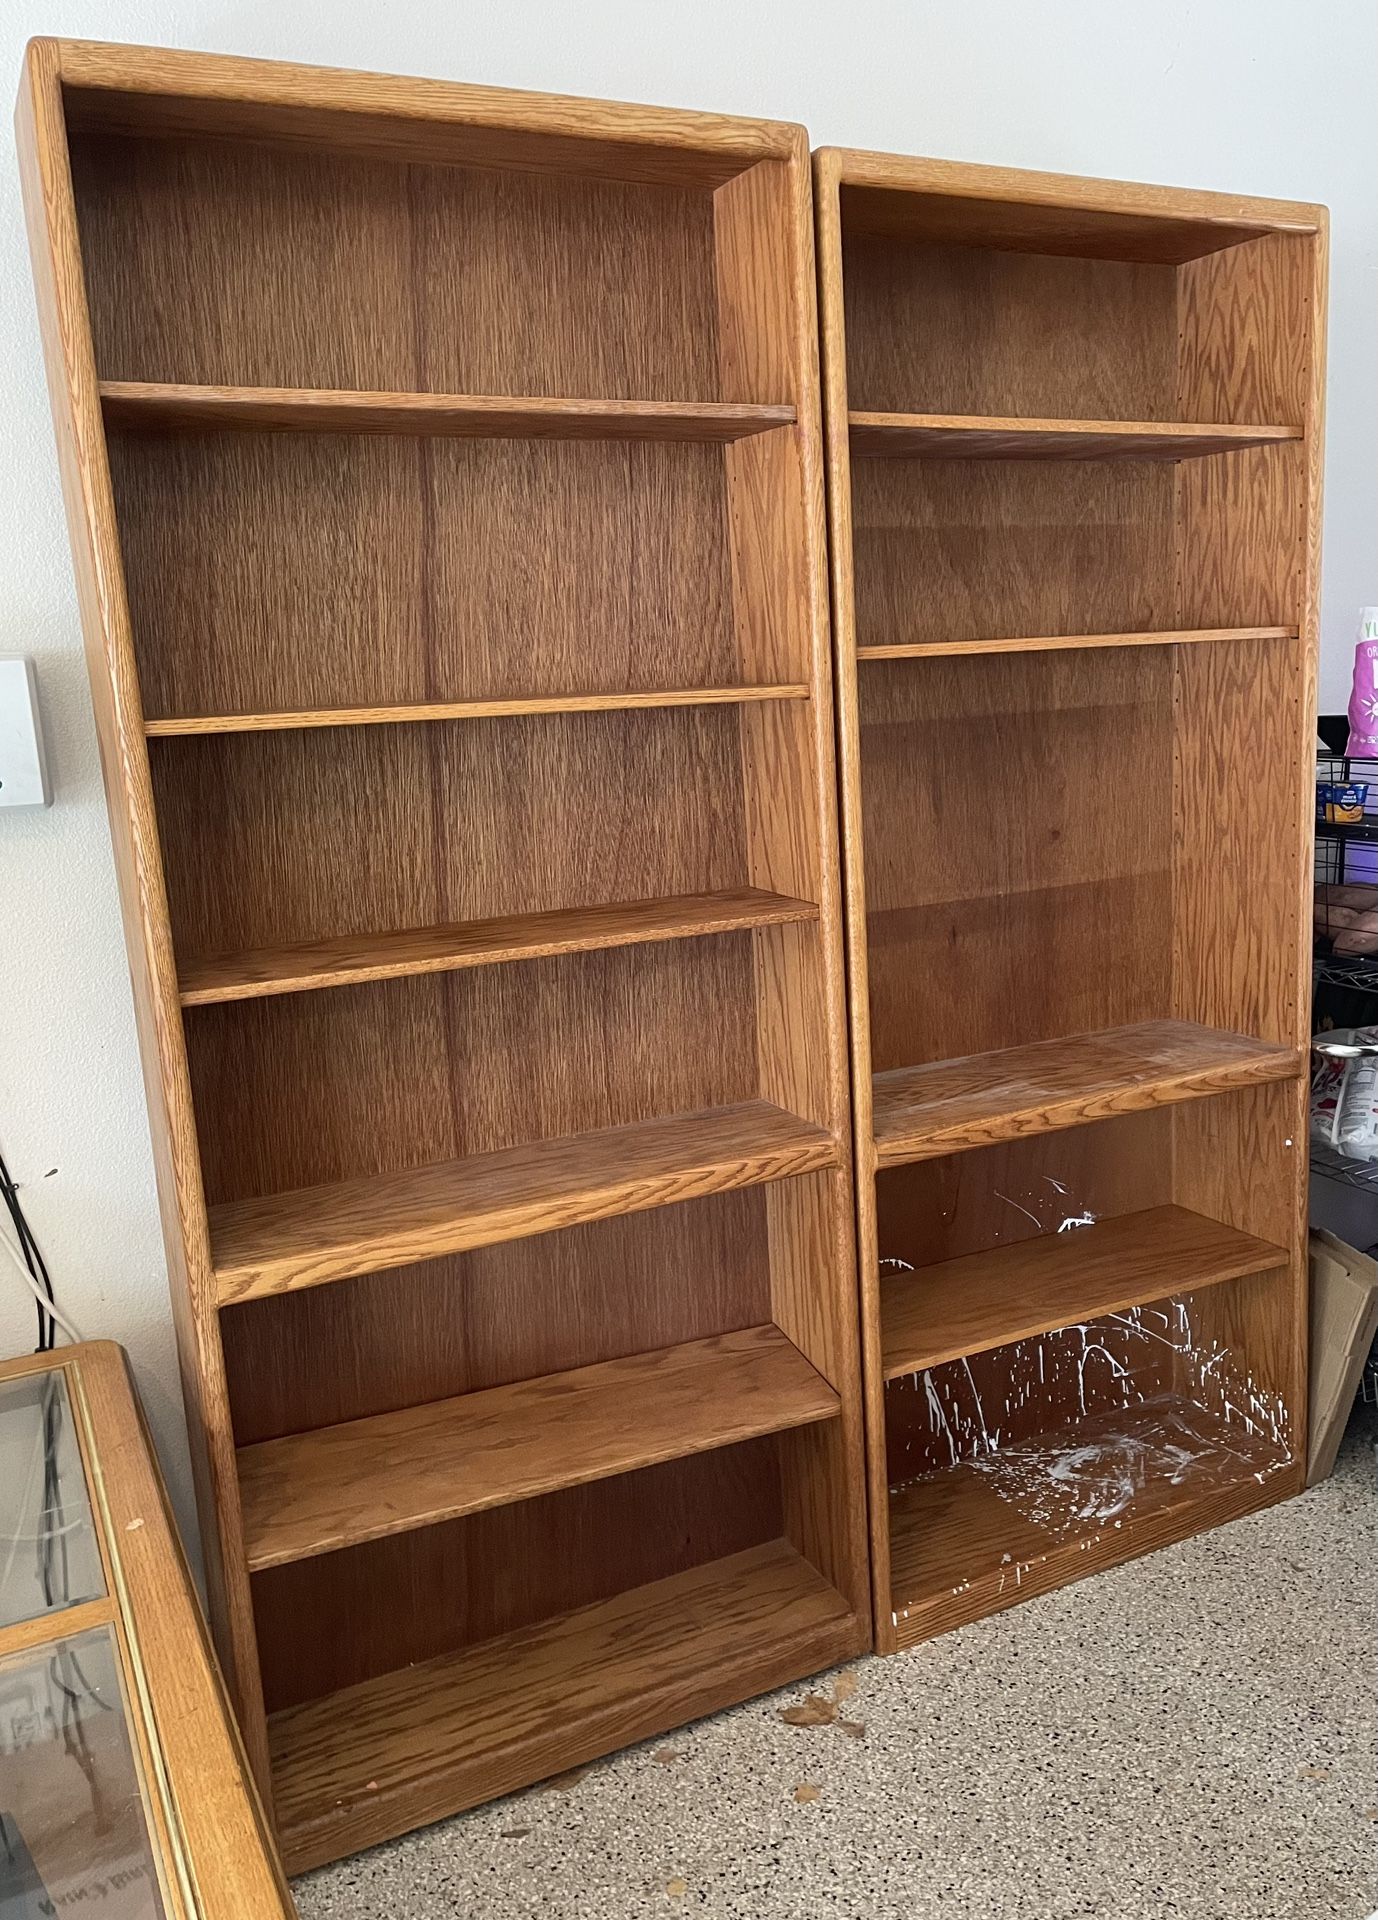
{"x": 445, "y": 484}
{"x": 1074, "y": 436}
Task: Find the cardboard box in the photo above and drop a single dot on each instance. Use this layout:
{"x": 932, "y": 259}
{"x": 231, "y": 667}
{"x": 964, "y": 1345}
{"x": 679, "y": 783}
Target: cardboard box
{"x": 1344, "y": 1320}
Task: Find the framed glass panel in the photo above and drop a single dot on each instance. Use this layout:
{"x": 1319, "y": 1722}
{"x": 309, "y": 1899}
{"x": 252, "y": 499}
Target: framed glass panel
{"x": 49, "y": 1555}
{"x": 73, "y": 1828}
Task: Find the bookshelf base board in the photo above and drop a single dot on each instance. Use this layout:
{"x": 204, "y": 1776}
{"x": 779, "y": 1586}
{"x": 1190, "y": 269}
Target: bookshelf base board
{"x": 399, "y": 1752}
{"x": 960, "y": 1552}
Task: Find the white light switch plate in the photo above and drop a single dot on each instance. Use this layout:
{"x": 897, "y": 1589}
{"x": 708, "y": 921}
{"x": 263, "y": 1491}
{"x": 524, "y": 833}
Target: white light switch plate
{"x": 23, "y": 774}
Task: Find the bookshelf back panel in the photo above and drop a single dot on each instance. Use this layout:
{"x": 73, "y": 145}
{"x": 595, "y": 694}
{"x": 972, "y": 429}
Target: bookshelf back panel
{"x": 974, "y": 330}
{"x": 1191, "y": 1355}
{"x": 1029, "y": 894}
{"x": 330, "y": 1622}
{"x": 1022, "y": 1392}
{"x": 277, "y": 837}
{"x": 315, "y": 1087}
{"x": 235, "y": 264}
{"x": 970, "y": 976}
{"x": 969, "y": 330}
{"x": 512, "y": 1312}
{"x": 1230, "y": 1158}
{"x": 996, "y": 1196}
{"x": 990, "y": 549}
{"x": 272, "y": 572}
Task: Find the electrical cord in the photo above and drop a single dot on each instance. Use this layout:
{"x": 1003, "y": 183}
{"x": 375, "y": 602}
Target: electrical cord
{"x": 48, "y": 1308}
{"x": 54, "y": 1575}
{"x": 67, "y": 1680}
{"x": 34, "y": 1266}
{"x": 33, "y": 1259}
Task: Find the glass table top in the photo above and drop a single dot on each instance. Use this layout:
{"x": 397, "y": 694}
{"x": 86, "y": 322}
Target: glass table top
{"x": 49, "y": 1554}
{"x": 73, "y": 1826}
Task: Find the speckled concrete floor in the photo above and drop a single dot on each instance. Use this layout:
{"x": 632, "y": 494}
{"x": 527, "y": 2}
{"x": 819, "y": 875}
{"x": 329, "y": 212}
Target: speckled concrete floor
{"x": 1190, "y": 1736}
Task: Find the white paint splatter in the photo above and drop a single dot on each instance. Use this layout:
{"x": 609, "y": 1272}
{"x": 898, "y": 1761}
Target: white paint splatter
{"x": 1018, "y": 1208}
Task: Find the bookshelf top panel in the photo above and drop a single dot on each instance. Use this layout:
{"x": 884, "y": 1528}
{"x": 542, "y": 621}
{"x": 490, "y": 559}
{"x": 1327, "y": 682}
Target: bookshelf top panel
{"x": 1016, "y": 211}
{"x": 158, "y": 91}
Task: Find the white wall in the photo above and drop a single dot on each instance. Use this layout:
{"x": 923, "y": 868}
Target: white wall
{"x": 1254, "y": 96}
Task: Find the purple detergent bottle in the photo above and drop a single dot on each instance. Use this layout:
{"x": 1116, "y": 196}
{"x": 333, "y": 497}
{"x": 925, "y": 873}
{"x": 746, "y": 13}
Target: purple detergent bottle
{"x": 1363, "y": 699}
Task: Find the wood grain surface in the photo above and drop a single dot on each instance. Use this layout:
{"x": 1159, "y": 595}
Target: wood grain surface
{"x": 185, "y": 725}
{"x": 902, "y": 436}
{"x": 767, "y": 329}
{"x": 476, "y": 943}
{"x": 306, "y": 1237}
{"x": 57, "y": 250}
{"x": 1012, "y": 1196}
{"x": 1218, "y": 1157}
{"x": 1253, "y": 331}
{"x": 832, "y": 344}
{"x": 985, "y": 1300}
{"x": 470, "y": 1321}
{"x": 1060, "y": 642}
{"x": 312, "y": 268}
{"x": 1025, "y": 1187}
{"x": 966, "y": 331}
{"x": 1253, "y": 1173}
{"x": 311, "y": 1493}
{"x": 265, "y": 843}
{"x": 161, "y": 91}
{"x": 325, "y": 1089}
{"x": 150, "y": 407}
{"x": 1009, "y": 209}
{"x": 954, "y": 1528}
{"x": 1250, "y": 335}
{"x": 410, "y": 1597}
{"x": 976, "y": 549}
{"x": 1036, "y": 795}
{"x": 1079, "y": 879}
{"x": 1235, "y": 883}
{"x": 640, "y": 614}
{"x": 950, "y": 1105}
{"x": 438, "y": 572}
{"x": 400, "y": 1750}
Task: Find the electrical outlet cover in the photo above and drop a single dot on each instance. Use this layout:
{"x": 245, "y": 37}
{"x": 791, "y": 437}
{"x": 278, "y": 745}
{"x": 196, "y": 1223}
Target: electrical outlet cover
{"x": 23, "y": 771}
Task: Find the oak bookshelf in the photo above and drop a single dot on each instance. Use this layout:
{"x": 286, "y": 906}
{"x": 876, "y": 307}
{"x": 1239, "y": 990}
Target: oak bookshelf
{"x": 444, "y": 475}
{"x": 1073, "y": 432}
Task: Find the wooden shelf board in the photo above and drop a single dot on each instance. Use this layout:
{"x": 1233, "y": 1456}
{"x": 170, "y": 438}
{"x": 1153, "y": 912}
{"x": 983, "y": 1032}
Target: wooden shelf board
{"x": 312, "y": 1493}
{"x": 175, "y": 727}
{"x": 882, "y": 436}
{"x": 1059, "y": 642}
{"x": 959, "y": 1549}
{"x": 413, "y": 1746}
{"x": 985, "y": 1300}
{"x": 353, "y": 958}
{"x": 316, "y": 1234}
{"x": 157, "y": 407}
{"x": 950, "y": 1105}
